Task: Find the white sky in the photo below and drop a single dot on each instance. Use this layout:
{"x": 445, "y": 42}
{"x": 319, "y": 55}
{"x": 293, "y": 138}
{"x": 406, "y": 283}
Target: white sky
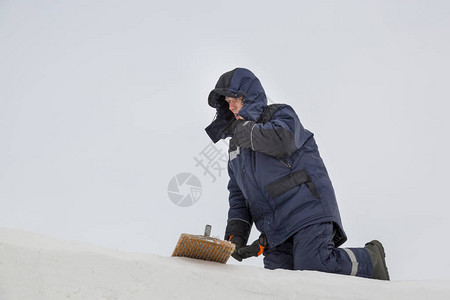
{"x": 102, "y": 103}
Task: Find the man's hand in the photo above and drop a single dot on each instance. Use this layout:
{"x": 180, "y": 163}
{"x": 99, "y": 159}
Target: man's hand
{"x": 233, "y": 125}
{"x": 242, "y": 132}
{"x": 237, "y": 232}
{"x": 255, "y": 249}
{"x": 239, "y": 242}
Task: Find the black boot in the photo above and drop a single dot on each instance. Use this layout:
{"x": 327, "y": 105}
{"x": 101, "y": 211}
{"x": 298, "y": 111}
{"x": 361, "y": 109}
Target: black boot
{"x": 377, "y": 255}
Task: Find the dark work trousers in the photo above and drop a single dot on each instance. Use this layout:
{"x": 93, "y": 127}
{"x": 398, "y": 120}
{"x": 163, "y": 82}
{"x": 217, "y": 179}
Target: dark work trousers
{"x": 312, "y": 248}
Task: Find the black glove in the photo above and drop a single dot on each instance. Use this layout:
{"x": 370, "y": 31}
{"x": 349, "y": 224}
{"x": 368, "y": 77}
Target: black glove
{"x": 237, "y": 232}
{"x": 239, "y": 242}
{"x": 242, "y": 133}
{"x": 233, "y": 125}
{"x": 255, "y": 249}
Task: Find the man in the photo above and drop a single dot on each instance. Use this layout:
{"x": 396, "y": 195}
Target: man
{"x": 279, "y": 182}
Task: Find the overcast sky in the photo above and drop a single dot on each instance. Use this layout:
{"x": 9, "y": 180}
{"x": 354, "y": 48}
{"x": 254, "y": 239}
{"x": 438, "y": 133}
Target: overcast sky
{"x": 103, "y": 103}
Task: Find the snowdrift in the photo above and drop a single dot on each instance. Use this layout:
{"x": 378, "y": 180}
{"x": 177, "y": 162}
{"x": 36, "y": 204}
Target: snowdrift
{"x": 37, "y": 267}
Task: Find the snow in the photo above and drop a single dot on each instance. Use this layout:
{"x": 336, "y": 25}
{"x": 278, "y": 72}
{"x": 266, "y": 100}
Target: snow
{"x": 37, "y": 267}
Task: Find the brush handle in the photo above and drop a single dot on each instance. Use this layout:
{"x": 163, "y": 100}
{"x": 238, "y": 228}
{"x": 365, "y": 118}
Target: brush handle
{"x": 207, "y": 230}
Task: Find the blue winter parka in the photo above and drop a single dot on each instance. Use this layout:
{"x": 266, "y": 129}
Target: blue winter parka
{"x": 278, "y": 180}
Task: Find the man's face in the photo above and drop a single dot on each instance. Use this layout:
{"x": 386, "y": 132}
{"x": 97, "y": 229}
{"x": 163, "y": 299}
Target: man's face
{"x": 235, "y": 105}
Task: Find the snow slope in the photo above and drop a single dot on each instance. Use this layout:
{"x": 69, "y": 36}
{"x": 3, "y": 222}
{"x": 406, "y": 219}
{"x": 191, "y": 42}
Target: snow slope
{"x": 37, "y": 267}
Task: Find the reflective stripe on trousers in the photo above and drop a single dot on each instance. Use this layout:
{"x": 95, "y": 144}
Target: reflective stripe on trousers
{"x": 353, "y": 260}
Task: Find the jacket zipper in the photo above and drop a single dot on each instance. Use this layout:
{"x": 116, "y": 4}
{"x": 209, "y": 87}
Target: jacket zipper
{"x": 286, "y": 164}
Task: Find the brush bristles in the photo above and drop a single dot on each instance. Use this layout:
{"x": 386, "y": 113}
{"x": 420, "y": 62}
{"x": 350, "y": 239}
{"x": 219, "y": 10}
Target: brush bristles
{"x": 204, "y": 248}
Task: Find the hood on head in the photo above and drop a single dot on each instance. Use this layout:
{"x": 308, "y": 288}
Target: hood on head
{"x": 222, "y": 90}
{"x": 236, "y": 83}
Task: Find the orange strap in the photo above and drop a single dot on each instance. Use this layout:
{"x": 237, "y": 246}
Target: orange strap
{"x": 261, "y": 250}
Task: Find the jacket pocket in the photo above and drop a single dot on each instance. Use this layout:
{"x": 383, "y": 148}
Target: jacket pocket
{"x": 290, "y": 181}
